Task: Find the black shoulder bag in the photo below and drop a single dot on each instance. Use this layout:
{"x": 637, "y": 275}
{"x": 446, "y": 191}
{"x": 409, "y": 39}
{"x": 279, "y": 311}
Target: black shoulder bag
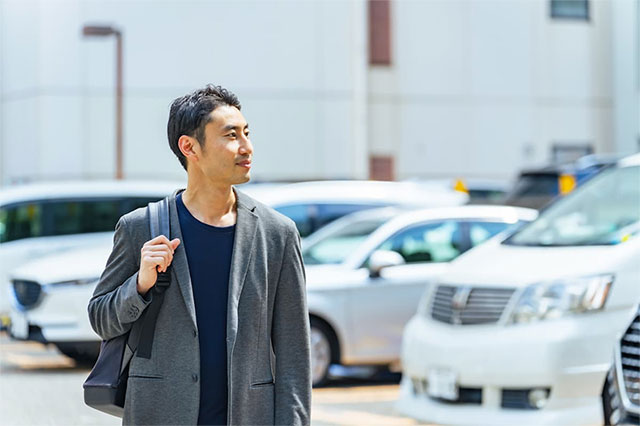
{"x": 106, "y": 386}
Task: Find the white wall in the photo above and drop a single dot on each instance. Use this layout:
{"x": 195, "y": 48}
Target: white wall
{"x": 483, "y": 88}
{"x": 291, "y": 64}
{"x": 625, "y": 48}
{"x": 477, "y": 88}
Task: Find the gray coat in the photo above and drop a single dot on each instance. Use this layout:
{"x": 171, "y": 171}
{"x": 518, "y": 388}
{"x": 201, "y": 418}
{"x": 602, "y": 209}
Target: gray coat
{"x": 269, "y": 378}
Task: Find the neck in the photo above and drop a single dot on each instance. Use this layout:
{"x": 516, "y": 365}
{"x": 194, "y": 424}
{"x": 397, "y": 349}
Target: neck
{"x": 210, "y": 203}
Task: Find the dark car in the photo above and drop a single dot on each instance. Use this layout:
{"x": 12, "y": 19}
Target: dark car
{"x": 536, "y": 188}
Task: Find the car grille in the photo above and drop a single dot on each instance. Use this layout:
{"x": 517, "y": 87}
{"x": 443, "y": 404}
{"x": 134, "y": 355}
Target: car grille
{"x": 469, "y": 305}
{"x": 27, "y": 293}
{"x": 630, "y": 359}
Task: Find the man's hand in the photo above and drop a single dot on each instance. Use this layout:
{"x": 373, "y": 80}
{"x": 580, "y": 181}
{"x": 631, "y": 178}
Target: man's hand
{"x": 156, "y": 256}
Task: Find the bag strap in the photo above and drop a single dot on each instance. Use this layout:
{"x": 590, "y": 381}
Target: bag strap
{"x": 140, "y": 341}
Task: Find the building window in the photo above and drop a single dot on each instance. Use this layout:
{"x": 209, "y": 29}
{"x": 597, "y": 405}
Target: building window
{"x": 562, "y": 153}
{"x": 570, "y": 9}
{"x": 380, "y": 32}
{"x": 381, "y": 167}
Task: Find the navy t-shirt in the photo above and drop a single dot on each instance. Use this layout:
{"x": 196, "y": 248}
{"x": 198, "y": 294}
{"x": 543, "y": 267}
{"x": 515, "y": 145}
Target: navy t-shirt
{"x": 209, "y": 251}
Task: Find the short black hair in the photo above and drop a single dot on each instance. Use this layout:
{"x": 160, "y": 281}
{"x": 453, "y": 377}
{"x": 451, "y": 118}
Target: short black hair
{"x": 189, "y": 114}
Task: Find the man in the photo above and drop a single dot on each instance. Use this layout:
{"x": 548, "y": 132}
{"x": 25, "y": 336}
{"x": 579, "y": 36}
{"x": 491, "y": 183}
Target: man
{"x": 231, "y": 343}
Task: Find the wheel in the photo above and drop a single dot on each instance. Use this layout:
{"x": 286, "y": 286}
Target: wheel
{"x": 321, "y": 350}
{"x": 85, "y": 353}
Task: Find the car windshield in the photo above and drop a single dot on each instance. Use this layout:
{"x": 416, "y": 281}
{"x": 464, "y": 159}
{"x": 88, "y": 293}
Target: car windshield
{"x": 342, "y": 241}
{"x": 604, "y": 211}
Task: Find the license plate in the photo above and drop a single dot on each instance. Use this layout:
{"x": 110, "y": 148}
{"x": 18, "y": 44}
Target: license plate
{"x": 442, "y": 384}
{"x": 19, "y": 325}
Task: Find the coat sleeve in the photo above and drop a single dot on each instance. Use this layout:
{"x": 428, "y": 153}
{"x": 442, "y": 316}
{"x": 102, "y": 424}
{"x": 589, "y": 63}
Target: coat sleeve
{"x": 116, "y": 303}
{"x": 290, "y": 337}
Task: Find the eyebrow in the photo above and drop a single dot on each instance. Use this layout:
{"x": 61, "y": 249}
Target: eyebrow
{"x": 233, "y": 127}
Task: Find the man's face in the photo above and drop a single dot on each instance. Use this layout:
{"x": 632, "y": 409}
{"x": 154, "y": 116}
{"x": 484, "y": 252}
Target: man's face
{"x": 227, "y": 152}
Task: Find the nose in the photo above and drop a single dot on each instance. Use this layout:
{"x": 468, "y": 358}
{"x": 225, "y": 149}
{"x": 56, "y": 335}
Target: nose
{"x": 246, "y": 148}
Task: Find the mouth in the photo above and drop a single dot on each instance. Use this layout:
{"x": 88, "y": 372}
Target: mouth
{"x": 246, "y": 164}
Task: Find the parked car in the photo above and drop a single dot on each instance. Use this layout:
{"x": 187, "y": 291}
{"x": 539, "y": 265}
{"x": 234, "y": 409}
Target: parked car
{"x": 484, "y": 191}
{"x": 312, "y": 205}
{"x": 520, "y": 330}
{"x": 350, "y": 274}
{"x": 538, "y": 187}
{"x": 621, "y": 392}
{"x": 38, "y": 219}
{"x": 366, "y": 272}
{"x": 43, "y": 218}
{"x": 481, "y": 191}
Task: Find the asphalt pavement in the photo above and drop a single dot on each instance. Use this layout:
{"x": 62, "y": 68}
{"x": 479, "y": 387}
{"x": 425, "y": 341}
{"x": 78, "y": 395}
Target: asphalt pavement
{"x": 39, "y": 386}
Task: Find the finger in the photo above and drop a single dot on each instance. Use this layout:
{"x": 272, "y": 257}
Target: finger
{"x": 154, "y": 261}
{"x": 175, "y": 243}
{"x": 160, "y": 239}
{"x": 158, "y": 249}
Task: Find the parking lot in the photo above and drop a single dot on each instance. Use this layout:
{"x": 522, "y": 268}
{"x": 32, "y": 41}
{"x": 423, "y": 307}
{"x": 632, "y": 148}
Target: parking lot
{"x": 39, "y": 386}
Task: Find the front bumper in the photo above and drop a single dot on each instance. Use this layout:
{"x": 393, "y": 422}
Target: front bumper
{"x": 568, "y": 356}
{"x": 59, "y": 316}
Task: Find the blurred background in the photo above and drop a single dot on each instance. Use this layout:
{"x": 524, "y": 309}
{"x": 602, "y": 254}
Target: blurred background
{"x": 358, "y": 89}
{"x": 382, "y": 125}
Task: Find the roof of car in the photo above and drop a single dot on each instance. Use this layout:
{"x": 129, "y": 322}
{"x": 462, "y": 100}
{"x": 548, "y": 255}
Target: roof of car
{"x": 506, "y": 213}
{"x": 373, "y": 192}
{"x": 97, "y": 188}
{"x": 582, "y": 163}
{"x": 632, "y": 160}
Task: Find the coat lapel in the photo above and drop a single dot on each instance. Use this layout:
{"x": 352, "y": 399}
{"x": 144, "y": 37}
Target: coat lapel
{"x": 243, "y": 248}
{"x": 179, "y": 264}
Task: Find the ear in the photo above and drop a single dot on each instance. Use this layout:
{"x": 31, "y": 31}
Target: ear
{"x": 189, "y": 147}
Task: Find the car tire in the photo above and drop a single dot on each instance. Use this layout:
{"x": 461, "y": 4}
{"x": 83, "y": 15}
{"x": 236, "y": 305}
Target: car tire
{"x": 321, "y": 351}
{"x": 84, "y": 353}
{"x": 608, "y": 405}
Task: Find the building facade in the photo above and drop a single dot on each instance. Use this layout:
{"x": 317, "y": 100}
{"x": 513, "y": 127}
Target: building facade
{"x": 331, "y": 89}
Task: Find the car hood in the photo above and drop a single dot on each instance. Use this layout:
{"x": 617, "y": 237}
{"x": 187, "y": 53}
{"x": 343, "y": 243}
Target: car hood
{"x": 320, "y": 277}
{"x": 89, "y": 263}
{"x": 496, "y": 264}
{"x": 81, "y": 264}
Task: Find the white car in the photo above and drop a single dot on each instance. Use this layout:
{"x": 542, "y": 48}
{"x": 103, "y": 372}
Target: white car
{"x": 43, "y": 218}
{"x": 366, "y": 272}
{"x": 312, "y": 205}
{"x": 521, "y": 330}
{"x": 358, "y": 305}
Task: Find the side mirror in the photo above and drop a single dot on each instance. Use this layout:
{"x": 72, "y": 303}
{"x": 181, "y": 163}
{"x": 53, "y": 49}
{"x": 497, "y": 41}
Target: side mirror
{"x": 381, "y": 259}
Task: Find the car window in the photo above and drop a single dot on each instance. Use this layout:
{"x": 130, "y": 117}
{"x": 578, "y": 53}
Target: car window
{"x": 302, "y": 215}
{"x": 536, "y": 184}
{"x": 82, "y": 216}
{"x": 484, "y": 196}
{"x": 131, "y": 203}
{"x": 533, "y": 190}
{"x": 479, "y": 232}
{"x": 605, "y": 210}
{"x": 311, "y": 217}
{"x": 330, "y": 212}
{"x": 20, "y": 221}
{"x": 338, "y": 245}
{"x": 65, "y": 217}
{"x": 432, "y": 242}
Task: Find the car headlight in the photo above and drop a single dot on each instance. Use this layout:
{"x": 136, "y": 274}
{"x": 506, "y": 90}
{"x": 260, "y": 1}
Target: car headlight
{"x": 558, "y": 298}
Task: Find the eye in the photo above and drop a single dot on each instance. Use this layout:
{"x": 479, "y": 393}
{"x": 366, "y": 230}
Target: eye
{"x": 232, "y": 135}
